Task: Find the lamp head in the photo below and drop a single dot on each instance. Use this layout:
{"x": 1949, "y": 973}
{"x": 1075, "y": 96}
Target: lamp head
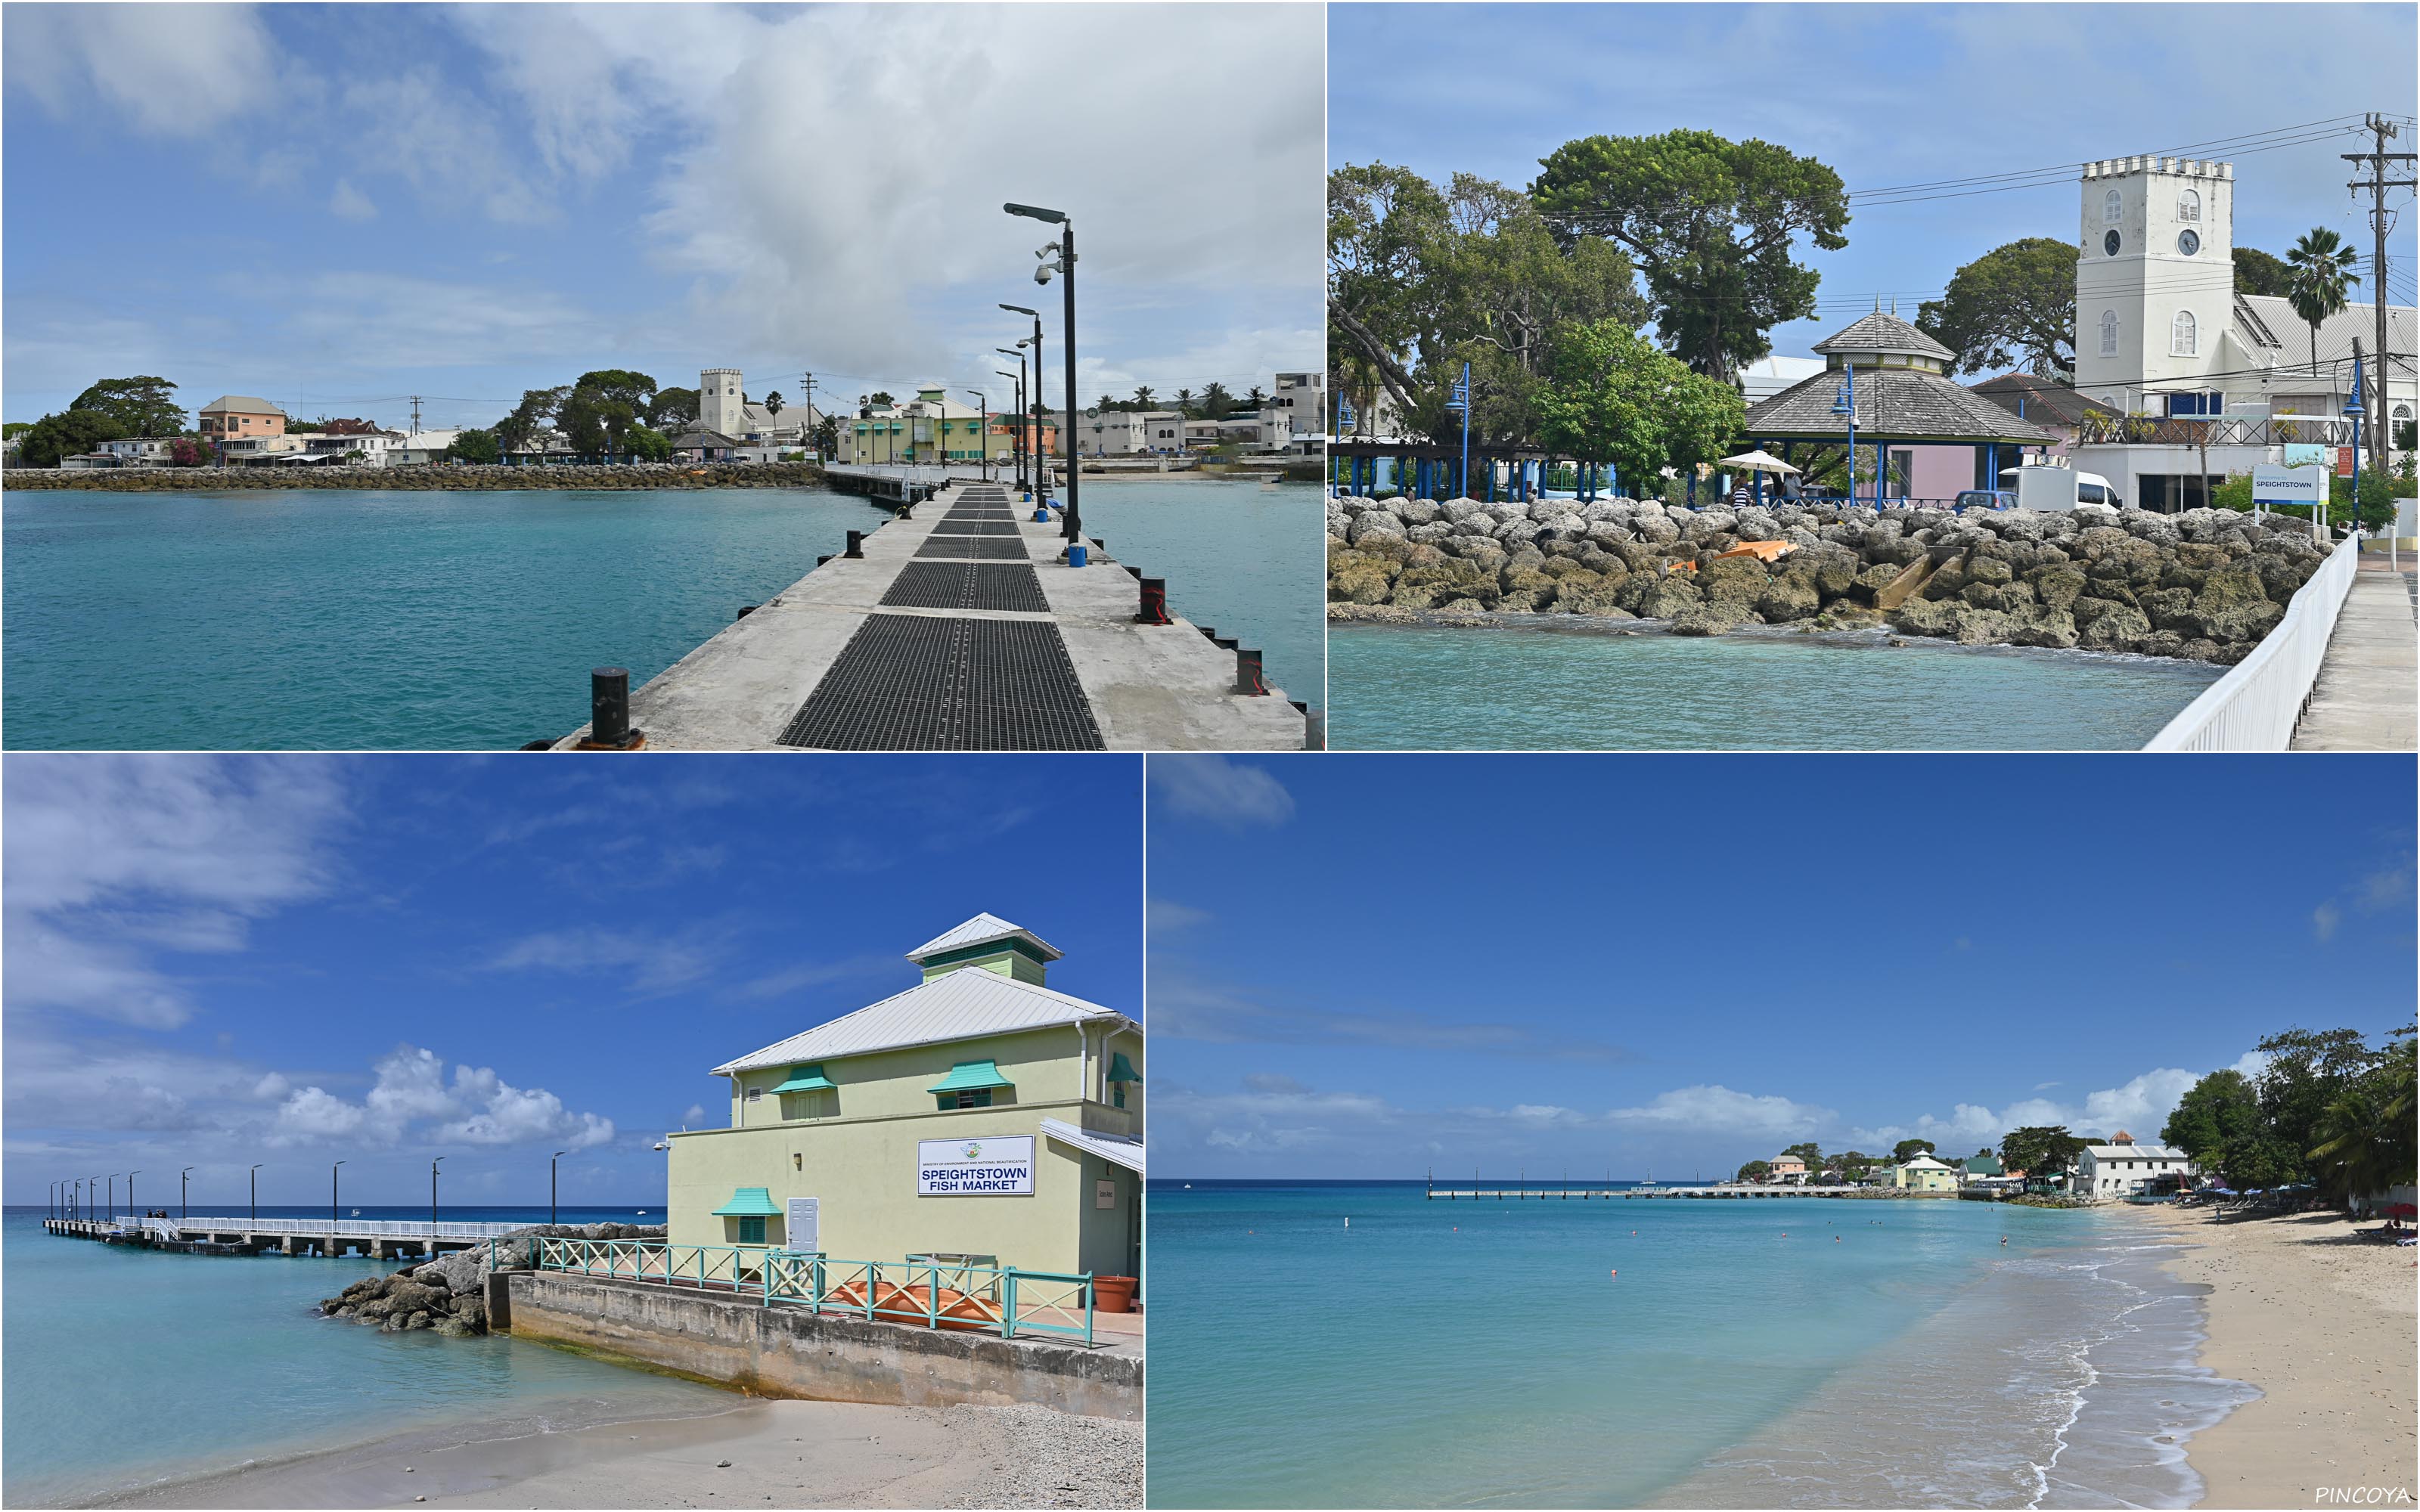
{"x": 1036, "y": 213}
{"x": 1020, "y": 309}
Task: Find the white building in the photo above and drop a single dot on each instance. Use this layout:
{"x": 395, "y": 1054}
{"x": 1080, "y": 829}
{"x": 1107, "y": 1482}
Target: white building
{"x": 1163, "y": 431}
{"x": 724, "y": 408}
{"x": 2122, "y": 1167}
{"x": 140, "y": 450}
{"x": 1767, "y": 376}
{"x": 377, "y": 449}
{"x": 1301, "y": 400}
{"x": 415, "y": 448}
{"x": 2161, "y": 333}
{"x": 1107, "y": 432}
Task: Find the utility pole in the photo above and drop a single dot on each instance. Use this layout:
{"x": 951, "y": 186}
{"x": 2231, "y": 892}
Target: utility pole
{"x": 807, "y": 381}
{"x": 415, "y": 414}
{"x": 2381, "y": 129}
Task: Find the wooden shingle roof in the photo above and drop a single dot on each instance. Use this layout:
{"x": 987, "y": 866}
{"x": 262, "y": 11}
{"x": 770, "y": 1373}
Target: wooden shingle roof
{"x": 1893, "y": 405}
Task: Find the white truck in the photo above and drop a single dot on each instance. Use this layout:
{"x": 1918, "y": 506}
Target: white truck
{"x": 2054, "y": 487}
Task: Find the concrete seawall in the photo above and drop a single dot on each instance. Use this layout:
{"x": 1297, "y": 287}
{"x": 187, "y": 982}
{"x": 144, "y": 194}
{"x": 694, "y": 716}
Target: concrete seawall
{"x": 789, "y": 1351}
{"x": 421, "y": 478}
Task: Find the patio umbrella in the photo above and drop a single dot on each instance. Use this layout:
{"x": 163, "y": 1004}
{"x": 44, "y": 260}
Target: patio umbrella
{"x": 1758, "y": 460}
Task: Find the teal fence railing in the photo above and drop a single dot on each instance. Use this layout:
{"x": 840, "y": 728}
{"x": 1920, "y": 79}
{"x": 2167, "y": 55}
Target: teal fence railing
{"x": 927, "y": 1292}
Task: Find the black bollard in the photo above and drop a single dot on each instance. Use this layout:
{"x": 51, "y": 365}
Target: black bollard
{"x": 1154, "y": 602}
{"x": 745, "y": 609}
{"x": 608, "y": 707}
{"x": 1248, "y": 673}
{"x": 820, "y": 561}
{"x": 856, "y": 543}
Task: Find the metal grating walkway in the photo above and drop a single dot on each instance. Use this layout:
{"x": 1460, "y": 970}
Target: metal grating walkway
{"x": 907, "y": 681}
{"x": 1009, "y": 586}
{"x": 976, "y": 527}
{"x": 990, "y": 547}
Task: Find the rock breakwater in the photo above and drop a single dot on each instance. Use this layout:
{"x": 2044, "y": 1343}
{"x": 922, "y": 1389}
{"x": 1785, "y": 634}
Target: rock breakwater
{"x": 449, "y": 1295}
{"x": 2205, "y": 585}
{"x": 620, "y": 476}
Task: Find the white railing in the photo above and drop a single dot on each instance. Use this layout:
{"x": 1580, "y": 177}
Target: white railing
{"x": 350, "y": 1228}
{"x": 2257, "y": 703}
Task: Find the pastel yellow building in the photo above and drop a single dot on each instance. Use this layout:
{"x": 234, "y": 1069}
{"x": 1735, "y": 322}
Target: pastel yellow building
{"x": 1925, "y": 1174}
{"x": 979, "y": 1113}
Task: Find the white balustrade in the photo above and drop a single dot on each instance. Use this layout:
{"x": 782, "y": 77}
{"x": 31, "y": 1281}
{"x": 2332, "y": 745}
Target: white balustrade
{"x": 2256, "y": 707}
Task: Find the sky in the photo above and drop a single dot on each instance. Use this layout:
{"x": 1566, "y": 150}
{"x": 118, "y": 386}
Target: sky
{"x": 333, "y": 208}
{"x": 1889, "y": 95}
{"x": 1376, "y": 966}
{"x": 294, "y": 960}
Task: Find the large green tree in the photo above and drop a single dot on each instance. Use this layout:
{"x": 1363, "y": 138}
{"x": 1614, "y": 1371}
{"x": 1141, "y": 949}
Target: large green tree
{"x": 672, "y": 408}
{"x": 477, "y": 446}
{"x": 1611, "y": 397}
{"x": 139, "y": 405}
{"x": 1755, "y": 1170}
{"x": 596, "y": 415}
{"x": 2307, "y": 1070}
{"x": 1712, "y": 225}
{"x": 645, "y": 443}
{"x": 1907, "y": 1149}
{"x": 2039, "y": 1150}
{"x": 69, "y": 433}
{"x": 2014, "y": 302}
{"x": 2218, "y": 1114}
{"x": 2257, "y": 273}
{"x": 537, "y": 410}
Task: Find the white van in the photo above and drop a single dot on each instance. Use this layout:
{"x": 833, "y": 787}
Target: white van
{"x": 2090, "y": 489}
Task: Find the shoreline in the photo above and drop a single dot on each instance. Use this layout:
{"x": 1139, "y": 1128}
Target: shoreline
{"x": 777, "y": 1452}
{"x": 2323, "y": 1326}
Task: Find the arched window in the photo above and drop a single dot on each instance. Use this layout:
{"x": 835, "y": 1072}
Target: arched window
{"x": 2110, "y": 208}
{"x": 2184, "y": 335}
{"x": 2108, "y": 332}
{"x": 2189, "y": 205}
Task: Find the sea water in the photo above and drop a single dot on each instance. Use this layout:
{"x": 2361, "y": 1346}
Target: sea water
{"x": 336, "y": 619}
{"x": 1668, "y": 1351}
{"x": 1561, "y": 686}
{"x": 125, "y": 1366}
{"x": 1248, "y": 561}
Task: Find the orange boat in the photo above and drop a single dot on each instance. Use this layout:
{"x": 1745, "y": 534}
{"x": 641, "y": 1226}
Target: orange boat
{"x": 1767, "y": 552}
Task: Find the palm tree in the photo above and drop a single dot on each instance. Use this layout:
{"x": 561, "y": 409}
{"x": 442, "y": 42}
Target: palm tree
{"x": 1144, "y": 396}
{"x": 2369, "y": 1144}
{"x": 2320, "y": 268}
{"x": 1256, "y": 398}
{"x": 1216, "y": 400}
{"x": 1184, "y": 402}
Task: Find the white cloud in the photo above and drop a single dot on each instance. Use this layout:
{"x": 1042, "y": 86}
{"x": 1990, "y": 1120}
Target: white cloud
{"x": 411, "y": 1096}
{"x": 115, "y": 861}
{"x": 351, "y": 204}
{"x": 177, "y": 71}
{"x": 1224, "y": 793}
{"x": 1719, "y": 1110}
{"x": 647, "y": 964}
{"x": 1167, "y": 916}
{"x": 2324, "y": 919}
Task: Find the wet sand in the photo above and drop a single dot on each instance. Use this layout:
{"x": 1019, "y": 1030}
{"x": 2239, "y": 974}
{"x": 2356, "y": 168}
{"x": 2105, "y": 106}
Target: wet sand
{"x": 777, "y": 1454}
{"x": 2323, "y": 1323}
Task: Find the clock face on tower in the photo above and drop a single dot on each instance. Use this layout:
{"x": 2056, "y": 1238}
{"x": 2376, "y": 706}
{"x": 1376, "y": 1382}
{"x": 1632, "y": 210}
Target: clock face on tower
{"x": 2188, "y": 242}
{"x": 2109, "y": 243}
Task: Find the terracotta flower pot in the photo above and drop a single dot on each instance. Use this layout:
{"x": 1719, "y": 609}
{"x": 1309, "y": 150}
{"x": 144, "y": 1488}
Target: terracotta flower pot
{"x": 1113, "y": 1294}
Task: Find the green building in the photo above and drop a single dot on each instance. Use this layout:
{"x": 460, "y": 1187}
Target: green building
{"x": 978, "y": 1113}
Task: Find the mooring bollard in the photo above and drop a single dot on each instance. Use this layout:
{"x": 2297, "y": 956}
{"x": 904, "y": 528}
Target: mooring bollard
{"x": 856, "y": 543}
{"x": 609, "y": 712}
{"x": 820, "y": 561}
{"x": 1248, "y": 673}
{"x": 1154, "y": 602}
{"x": 745, "y": 609}
{"x": 1076, "y": 555}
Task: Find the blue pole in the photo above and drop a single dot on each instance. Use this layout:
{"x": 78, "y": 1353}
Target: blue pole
{"x": 1466, "y": 430}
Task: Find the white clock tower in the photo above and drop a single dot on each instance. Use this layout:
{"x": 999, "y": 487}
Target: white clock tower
{"x": 2155, "y": 283}
{"x": 720, "y": 406}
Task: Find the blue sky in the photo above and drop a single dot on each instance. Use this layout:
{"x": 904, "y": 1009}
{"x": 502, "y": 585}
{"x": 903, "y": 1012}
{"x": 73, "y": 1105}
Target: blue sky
{"x": 1890, "y": 96}
{"x": 1367, "y": 966}
{"x": 336, "y": 206}
{"x": 296, "y": 960}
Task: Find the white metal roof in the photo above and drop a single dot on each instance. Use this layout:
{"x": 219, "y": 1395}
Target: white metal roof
{"x": 1115, "y": 1148}
{"x": 1925, "y": 1163}
{"x": 2134, "y": 1152}
{"x": 966, "y": 1004}
{"x": 982, "y": 929}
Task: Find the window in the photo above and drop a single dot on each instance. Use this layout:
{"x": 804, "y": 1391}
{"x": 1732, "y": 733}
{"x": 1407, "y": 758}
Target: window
{"x": 2111, "y": 207}
{"x": 2188, "y": 206}
{"x": 979, "y": 1098}
{"x": 2184, "y": 335}
{"x": 751, "y": 1231}
{"x": 2108, "y": 332}
{"x": 755, "y": 1094}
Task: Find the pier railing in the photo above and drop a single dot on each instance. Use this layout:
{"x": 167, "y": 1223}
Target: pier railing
{"x": 2257, "y": 703}
{"x": 925, "y": 1293}
{"x": 350, "y": 1227}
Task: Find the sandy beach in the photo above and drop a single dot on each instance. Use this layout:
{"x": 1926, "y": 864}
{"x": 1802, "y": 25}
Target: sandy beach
{"x": 2323, "y": 1323}
{"x": 781, "y": 1454}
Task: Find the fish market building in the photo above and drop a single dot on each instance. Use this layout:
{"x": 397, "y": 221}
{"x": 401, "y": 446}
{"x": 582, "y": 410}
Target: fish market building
{"x": 980, "y": 1113}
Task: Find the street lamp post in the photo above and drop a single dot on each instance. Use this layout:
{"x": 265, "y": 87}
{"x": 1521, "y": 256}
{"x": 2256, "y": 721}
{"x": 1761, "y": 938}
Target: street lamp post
{"x": 432, "y": 1206}
{"x": 1017, "y": 444}
{"x": 1040, "y": 473}
{"x": 2353, "y": 410}
{"x": 551, "y": 1219}
{"x": 1066, "y": 267}
{"x": 1460, "y": 401}
{"x": 1845, "y": 403}
{"x": 983, "y": 432}
{"x": 130, "y": 1193}
{"x": 332, "y": 1208}
{"x": 184, "y": 1208}
{"x": 255, "y": 1196}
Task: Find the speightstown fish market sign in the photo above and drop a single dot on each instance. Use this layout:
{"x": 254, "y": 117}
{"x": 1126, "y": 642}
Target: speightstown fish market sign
{"x": 1001, "y": 1167}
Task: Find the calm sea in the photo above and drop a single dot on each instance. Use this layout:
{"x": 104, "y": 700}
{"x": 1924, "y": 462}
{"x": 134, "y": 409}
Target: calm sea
{"x": 126, "y": 1366}
{"x": 1250, "y": 562}
{"x": 1570, "y": 688}
{"x": 1623, "y": 1353}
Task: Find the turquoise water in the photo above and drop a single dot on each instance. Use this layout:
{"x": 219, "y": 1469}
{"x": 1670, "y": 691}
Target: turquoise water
{"x": 1619, "y": 1353}
{"x": 125, "y": 1366}
{"x": 365, "y": 620}
{"x": 1245, "y": 560}
{"x": 1524, "y": 688}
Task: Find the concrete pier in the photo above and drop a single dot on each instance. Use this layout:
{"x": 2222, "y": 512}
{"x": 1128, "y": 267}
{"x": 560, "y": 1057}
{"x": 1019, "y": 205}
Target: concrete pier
{"x": 2368, "y": 696}
{"x": 959, "y": 627}
{"x": 378, "y": 1238}
{"x": 1585, "y": 1194}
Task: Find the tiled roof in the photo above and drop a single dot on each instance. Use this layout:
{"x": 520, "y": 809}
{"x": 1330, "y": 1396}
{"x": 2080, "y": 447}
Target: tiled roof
{"x": 1893, "y": 405}
{"x": 1882, "y": 333}
{"x": 966, "y": 1004}
{"x": 239, "y": 404}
